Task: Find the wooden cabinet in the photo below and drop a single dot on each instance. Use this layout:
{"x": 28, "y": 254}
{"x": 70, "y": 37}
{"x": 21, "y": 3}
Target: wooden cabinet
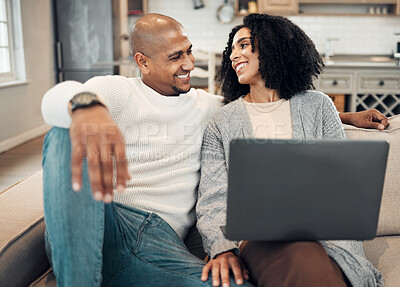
{"x": 287, "y": 7}
{"x": 339, "y": 101}
{"x": 323, "y": 7}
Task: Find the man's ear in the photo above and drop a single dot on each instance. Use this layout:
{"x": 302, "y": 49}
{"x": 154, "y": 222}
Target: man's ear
{"x": 142, "y": 62}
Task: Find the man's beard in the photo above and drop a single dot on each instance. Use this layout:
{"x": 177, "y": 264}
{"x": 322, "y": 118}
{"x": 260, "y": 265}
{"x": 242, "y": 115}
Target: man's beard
{"x": 180, "y": 91}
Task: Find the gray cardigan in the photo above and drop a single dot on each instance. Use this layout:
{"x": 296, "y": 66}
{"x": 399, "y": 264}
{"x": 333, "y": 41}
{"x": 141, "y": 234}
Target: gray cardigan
{"x": 313, "y": 117}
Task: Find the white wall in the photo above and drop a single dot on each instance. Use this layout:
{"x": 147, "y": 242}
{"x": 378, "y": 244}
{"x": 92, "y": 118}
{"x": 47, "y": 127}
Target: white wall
{"x": 20, "y": 115}
{"x": 358, "y": 35}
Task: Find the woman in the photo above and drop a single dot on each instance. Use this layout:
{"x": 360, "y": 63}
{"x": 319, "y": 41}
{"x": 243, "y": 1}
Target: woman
{"x": 266, "y": 76}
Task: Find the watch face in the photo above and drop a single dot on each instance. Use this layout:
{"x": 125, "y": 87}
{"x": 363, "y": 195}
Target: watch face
{"x": 84, "y": 98}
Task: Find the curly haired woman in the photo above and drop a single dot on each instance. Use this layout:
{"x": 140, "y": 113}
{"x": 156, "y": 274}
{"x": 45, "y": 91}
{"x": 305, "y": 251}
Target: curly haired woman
{"x": 266, "y": 77}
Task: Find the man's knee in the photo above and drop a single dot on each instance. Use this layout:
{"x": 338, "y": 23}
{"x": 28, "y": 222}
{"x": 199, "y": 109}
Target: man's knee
{"x": 57, "y": 145}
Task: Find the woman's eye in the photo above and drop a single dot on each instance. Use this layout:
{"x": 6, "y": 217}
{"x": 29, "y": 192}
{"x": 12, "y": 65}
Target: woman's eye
{"x": 244, "y": 45}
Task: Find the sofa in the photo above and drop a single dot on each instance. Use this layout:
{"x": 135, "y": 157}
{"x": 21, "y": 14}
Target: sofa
{"x": 23, "y": 260}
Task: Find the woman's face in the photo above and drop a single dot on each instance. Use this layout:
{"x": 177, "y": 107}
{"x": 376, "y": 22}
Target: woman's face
{"x": 244, "y": 62}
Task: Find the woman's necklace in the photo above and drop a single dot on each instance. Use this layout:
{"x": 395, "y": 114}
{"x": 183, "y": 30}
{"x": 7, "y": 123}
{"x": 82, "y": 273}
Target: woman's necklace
{"x": 260, "y": 109}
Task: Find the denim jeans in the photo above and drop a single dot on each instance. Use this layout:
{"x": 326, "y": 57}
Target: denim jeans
{"x": 95, "y": 244}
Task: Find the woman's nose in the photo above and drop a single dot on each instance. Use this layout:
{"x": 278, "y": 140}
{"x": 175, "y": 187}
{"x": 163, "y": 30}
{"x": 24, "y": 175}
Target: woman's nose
{"x": 233, "y": 55}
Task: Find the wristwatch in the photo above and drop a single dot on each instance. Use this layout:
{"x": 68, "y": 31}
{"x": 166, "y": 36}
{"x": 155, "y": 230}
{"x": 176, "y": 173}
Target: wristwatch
{"x": 84, "y": 100}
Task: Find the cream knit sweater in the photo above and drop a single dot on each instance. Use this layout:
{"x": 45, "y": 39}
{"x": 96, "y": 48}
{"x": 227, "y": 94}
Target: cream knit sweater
{"x": 163, "y": 137}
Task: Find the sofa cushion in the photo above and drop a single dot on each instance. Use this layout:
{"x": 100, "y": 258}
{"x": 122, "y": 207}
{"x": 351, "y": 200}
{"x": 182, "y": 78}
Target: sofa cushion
{"x": 384, "y": 253}
{"x": 46, "y": 280}
{"x": 389, "y": 217}
{"x": 22, "y": 255}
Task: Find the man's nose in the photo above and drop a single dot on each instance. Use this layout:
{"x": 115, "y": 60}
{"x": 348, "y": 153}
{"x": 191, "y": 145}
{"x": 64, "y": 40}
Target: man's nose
{"x": 188, "y": 64}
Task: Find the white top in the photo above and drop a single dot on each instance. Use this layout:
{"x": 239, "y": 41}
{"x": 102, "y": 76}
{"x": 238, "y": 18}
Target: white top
{"x": 163, "y": 137}
{"x": 270, "y": 120}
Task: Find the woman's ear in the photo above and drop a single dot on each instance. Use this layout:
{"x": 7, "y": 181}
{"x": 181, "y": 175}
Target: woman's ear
{"x": 142, "y": 62}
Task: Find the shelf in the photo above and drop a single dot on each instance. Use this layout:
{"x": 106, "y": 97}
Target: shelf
{"x": 347, "y": 2}
{"x": 324, "y": 7}
{"x": 343, "y": 14}
{"x": 347, "y": 9}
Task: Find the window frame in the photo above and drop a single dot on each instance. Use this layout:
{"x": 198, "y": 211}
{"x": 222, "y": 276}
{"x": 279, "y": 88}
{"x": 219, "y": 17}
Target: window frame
{"x": 9, "y": 76}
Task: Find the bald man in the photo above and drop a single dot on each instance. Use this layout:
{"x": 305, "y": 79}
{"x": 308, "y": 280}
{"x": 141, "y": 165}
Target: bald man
{"x": 140, "y": 137}
{"x": 149, "y": 129}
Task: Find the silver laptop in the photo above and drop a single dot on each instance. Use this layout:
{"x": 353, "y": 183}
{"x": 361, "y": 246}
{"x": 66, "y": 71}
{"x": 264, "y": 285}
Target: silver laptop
{"x": 292, "y": 190}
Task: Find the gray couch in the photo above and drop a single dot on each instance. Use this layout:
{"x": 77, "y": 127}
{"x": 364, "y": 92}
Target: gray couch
{"x": 23, "y": 260}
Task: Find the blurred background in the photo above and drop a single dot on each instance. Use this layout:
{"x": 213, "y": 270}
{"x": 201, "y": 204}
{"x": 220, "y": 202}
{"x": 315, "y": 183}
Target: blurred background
{"x": 43, "y": 42}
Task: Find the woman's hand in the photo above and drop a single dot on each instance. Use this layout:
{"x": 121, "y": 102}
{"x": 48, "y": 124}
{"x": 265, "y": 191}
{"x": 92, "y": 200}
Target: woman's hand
{"x": 220, "y": 266}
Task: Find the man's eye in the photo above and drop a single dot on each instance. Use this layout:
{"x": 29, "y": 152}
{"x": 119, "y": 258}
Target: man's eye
{"x": 176, "y": 58}
{"x": 244, "y": 45}
{"x": 189, "y": 52}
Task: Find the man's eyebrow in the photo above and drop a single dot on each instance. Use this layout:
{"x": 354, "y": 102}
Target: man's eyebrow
{"x": 179, "y": 52}
{"x": 240, "y": 40}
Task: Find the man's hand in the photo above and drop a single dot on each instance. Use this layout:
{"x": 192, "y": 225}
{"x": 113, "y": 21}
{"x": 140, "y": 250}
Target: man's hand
{"x": 95, "y": 135}
{"x": 370, "y": 119}
{"x": 220, "y": 267}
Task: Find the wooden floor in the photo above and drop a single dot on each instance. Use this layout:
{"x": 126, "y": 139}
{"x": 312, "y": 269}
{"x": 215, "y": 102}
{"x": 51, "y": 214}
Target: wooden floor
{"x": 20, "y": 162}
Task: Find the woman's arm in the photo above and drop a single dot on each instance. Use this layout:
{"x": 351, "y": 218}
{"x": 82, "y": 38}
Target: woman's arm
{"x": 212, "y": 194}
{"x": 332, "y": 127}
{"x": 211, "y": 212}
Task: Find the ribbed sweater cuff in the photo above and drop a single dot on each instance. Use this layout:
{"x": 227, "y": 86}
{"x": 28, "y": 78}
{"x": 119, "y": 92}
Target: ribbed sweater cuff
{"x": 223, "y": 246}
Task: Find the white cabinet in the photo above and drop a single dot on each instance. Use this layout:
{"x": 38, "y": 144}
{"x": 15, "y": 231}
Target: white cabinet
{"x": 364, "y": 88}
{"x": 378, "y": 91}
{"x": 336, "y": 83}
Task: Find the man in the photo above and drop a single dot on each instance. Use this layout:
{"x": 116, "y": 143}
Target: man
{"x": 148, "y": 131}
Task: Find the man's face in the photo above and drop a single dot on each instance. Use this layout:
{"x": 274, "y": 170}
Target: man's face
{"x": 169, "y": 68}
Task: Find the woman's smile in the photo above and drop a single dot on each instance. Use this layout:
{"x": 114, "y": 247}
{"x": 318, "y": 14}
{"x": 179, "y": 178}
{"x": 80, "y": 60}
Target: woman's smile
{"x": 240, "y": 66}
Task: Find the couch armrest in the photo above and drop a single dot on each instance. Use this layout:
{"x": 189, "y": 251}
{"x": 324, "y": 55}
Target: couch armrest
{"x": 22, "y": 255}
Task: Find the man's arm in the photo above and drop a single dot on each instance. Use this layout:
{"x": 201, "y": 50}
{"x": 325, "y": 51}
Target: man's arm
{"x": 55, "y": 103}
{"x": 93, "y": 132}
{"x": 370, "y": 119}
{"x": 113, "y": 91}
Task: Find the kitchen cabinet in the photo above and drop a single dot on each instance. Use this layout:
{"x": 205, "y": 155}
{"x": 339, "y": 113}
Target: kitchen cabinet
{"x": 278, "y": 6}
{"x": 380, "y": 91}
{"x": 324, "y": 7}
{"x": 363, "y": 88}
{"x": 339, "y": 100}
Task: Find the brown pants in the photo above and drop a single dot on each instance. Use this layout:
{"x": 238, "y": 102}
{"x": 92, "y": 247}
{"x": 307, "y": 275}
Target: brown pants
{"x": 302, "y": 264}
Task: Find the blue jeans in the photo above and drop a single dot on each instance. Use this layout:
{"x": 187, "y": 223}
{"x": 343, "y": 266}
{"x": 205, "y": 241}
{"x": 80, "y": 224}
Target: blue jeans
{"x": 95, "y": 244}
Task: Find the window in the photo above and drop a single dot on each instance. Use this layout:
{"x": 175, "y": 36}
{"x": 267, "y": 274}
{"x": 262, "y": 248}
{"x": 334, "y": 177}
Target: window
{"x": 6, "y": 51}
{"x": 12, "y": 59}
